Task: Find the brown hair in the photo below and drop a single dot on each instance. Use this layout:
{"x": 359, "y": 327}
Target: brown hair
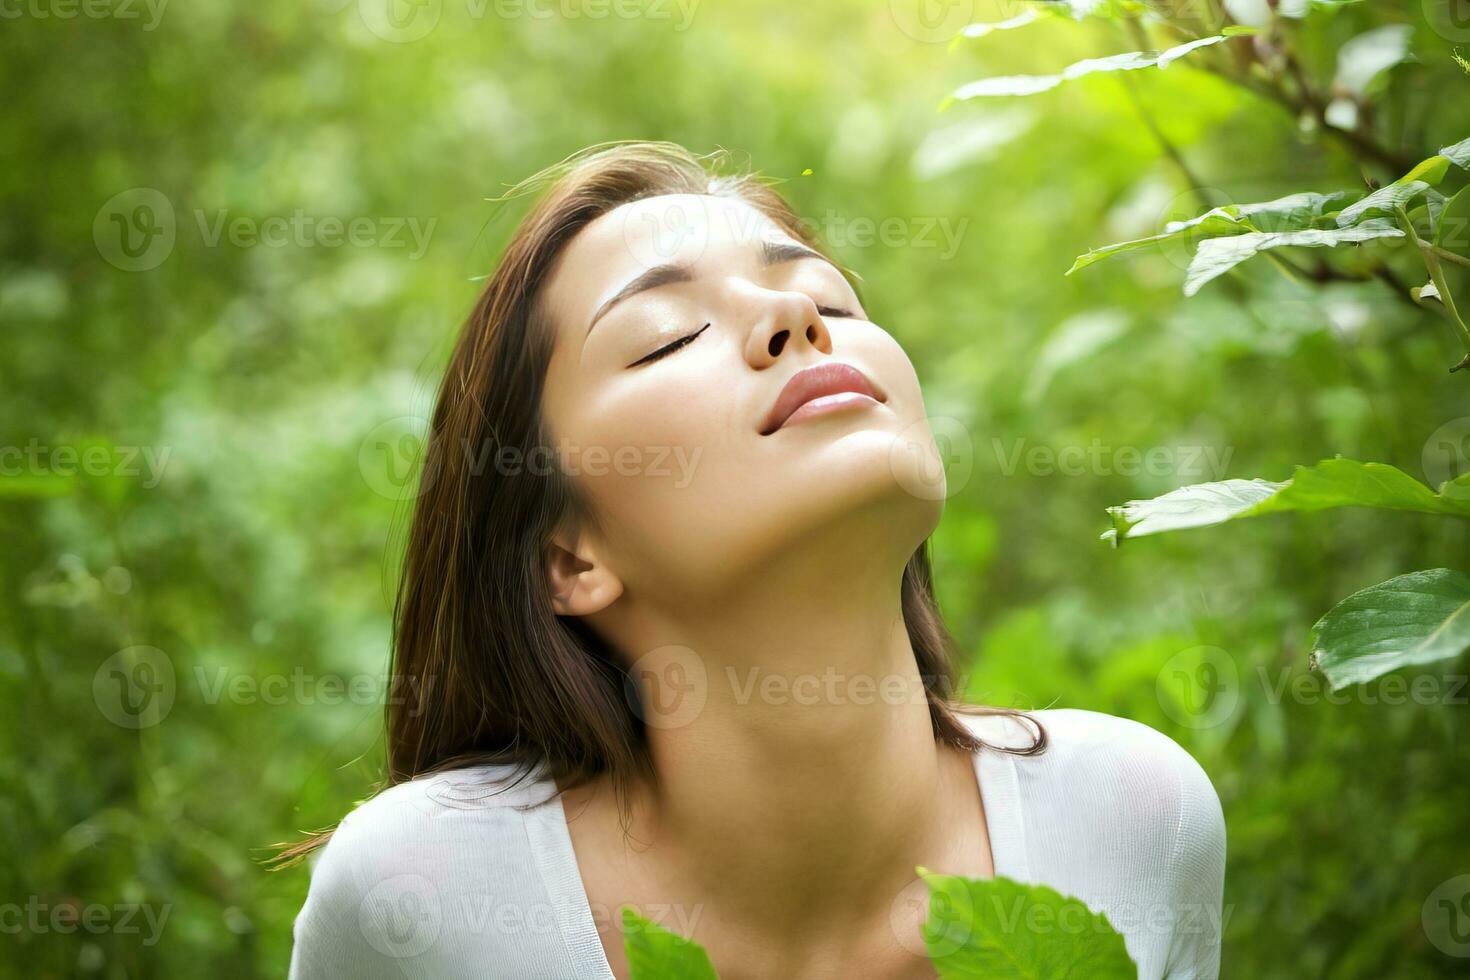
{"x": 497, "y": 675}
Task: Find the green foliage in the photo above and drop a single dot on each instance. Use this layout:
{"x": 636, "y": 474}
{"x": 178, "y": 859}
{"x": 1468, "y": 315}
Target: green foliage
{"x": 996, "y": 927}
{"x": 655, "y": 953}
{"x": 268, "y": 547}
{"x": 1330, "y": 484}
{"x": 1217, "y": 256}
{"x": 1411, "y": 619}
{"x": 976, "y": 928}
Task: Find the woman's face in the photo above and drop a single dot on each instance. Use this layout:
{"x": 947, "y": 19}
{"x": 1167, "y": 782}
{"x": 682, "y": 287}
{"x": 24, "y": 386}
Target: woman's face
{"x": 680, "y": 323}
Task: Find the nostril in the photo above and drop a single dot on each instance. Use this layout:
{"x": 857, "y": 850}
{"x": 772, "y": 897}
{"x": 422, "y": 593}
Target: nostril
{"x": 811, "y": 333}
{"x": 778, "y": 342}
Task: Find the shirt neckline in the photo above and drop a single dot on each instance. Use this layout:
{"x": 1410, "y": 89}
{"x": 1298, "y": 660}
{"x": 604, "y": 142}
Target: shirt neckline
{"x": 556, "y": 858}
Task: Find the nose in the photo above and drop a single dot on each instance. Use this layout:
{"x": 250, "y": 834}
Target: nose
{"x": 786, "y": 321}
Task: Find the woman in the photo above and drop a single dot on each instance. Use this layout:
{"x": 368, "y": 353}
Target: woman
{"x": 666, "y": 601}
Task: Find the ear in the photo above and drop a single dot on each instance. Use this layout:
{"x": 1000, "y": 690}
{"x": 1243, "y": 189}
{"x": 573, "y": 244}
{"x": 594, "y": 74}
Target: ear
{"x": 580, "y": 580}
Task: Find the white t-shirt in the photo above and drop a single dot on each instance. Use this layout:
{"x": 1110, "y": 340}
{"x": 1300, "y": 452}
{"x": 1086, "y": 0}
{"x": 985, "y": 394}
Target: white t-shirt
{"x": 455, "y": 875}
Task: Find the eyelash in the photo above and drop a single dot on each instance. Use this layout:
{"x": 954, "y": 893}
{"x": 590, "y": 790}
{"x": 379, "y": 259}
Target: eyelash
{"x": 669, "y": 348}
{"x": 672, "y": 346}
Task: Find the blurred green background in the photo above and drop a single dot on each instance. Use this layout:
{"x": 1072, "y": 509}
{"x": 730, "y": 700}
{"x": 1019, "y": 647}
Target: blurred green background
{"x": 214, "y": 305}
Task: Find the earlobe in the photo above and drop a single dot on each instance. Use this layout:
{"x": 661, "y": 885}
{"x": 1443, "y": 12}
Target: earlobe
{"x": 580, "y": 582}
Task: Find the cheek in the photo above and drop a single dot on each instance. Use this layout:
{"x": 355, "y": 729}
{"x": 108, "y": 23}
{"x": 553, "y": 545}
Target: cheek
{"x": 654, "y": 460}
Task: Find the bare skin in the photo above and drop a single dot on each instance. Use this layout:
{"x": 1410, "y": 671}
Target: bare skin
{"x": 756, "y": 601}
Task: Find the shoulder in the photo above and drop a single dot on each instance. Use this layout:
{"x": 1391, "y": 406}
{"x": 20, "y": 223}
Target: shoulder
{"x": 391, "y": 891}
{"x": 1119, "y": 815}
{"x": 1127, "y": 772}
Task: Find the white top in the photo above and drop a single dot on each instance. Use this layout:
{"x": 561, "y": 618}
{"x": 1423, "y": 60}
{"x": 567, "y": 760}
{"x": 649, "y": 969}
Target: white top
{"x": 453, "y": 875}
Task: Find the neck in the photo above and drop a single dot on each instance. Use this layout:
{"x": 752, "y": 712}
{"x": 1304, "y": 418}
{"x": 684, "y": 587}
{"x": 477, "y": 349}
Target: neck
{"x": 808, "y": 785}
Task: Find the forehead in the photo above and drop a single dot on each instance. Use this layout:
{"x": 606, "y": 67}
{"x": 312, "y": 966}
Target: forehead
{"x": 677, "y": 229}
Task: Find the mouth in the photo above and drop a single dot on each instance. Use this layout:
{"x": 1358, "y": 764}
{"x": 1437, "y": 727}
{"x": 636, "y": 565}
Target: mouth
{"x": 822, "y": 388}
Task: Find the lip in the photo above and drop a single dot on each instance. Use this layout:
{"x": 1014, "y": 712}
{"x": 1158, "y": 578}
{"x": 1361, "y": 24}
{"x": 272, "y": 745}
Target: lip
{"x": 813, "y": 391}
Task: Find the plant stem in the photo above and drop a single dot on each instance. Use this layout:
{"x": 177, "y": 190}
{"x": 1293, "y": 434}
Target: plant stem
{"x": 1436, "y": 276}
{"x": 1445, "y": 253}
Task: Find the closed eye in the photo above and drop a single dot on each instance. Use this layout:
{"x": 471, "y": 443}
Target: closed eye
{"x": 669, "y": 348}
{"x": 835, "y": 312}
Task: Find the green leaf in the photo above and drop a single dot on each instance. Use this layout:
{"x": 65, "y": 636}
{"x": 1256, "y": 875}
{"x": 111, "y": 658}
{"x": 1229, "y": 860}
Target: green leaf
{"x": 1216, "y": 256}
{"x": 1458, "y": 154}
{"x": 1180, "y": 50}
{"x": 1291, "y": 210}
{"x": 1412, "y": 619}
{"x": 1279, "y": 214}
{"x": 1003, "y": 85}
{"x": 654, "y": 953}
{"x": 1213, "y": 223}
{"x": 1452, "y": 224}
{"x": 1001, "y": 928}
{"x": 1331, "y": 483}
{"x": 1384, "y": 200}
{"x": 1010, "y": 23}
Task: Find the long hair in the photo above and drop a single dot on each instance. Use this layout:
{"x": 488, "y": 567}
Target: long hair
{"x": 497, "y": 675}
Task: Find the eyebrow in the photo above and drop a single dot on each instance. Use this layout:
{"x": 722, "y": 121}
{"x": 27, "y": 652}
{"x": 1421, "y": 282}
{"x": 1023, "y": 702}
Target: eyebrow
{"x": 772, "y": 253}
